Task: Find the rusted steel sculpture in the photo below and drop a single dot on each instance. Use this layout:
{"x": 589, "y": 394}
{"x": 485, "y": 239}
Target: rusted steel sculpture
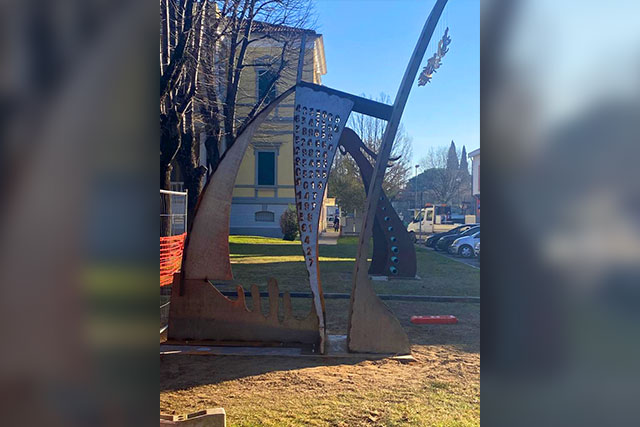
{"x": 198, "y": 310}
{"x": 394, "y": 254}
{"x": 318, "y": 120}
{"x": 196, "y": 305}
{"x": 204, "y": 314}
{"x": 372, "y": 326}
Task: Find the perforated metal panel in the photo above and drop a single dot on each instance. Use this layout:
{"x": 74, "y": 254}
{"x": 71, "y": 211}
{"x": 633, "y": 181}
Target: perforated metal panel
{"x": 319, "y": 119}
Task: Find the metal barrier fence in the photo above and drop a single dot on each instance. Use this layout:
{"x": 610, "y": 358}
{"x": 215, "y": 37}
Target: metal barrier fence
{"x": 173, "y": 231}
{"x": 173, "y": 212}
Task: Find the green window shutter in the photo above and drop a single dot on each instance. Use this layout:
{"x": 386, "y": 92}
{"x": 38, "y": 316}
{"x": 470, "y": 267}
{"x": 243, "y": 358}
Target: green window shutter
{"x": 266, "y": 168}
{"x": 265, "y": 90}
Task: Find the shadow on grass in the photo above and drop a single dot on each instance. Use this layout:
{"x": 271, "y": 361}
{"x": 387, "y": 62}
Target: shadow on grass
{"x": 181, "y": 372}
{"x": 341, "y": 250}
{"x": 236, "y": 249}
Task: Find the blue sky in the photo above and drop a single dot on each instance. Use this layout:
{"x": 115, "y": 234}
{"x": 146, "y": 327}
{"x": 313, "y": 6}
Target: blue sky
{"x": 368, "y": 44}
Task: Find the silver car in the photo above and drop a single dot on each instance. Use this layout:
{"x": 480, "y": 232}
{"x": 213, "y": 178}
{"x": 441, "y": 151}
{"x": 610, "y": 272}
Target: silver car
{"x": 463, "y": 246}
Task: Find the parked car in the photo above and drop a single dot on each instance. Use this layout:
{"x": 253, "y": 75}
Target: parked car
{"x": 476, "y": 249}
{"x": 463, "y": 246}
{"x": 444, "y": 242}
{"x": 433, "y": 239}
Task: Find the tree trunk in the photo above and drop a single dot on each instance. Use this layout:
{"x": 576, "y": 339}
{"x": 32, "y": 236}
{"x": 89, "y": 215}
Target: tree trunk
{"x": 165, "y": 200}
{"x": 193, "y": 174}
{"x": 213, "y": 153}
{"x": 169, "y": 144}
{"x": 171, "y": 72}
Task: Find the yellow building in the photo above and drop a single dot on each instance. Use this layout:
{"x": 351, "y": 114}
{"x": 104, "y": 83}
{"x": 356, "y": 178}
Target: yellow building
{"x": 264, "y": 187}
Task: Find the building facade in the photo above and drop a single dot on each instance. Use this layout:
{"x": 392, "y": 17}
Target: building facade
{"x": 264, "y": 187}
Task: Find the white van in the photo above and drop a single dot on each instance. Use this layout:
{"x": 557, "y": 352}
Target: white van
{"x": 434, "y": 219}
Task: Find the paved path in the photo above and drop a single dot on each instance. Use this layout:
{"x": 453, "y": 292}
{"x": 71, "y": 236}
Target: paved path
{"x": 328, "y": 238}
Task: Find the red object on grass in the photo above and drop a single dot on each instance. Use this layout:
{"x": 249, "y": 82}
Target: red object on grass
{"x": 434, "y": 320}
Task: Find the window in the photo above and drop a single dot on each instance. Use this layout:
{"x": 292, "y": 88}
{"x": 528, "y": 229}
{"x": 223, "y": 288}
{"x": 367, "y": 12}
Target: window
{"x": 266, "y": 167}
{"x": 470, "y": 232}
{"x": 177, "y": 186}
{"x": 265, "y": 216}
{"x": 265, "y": 89}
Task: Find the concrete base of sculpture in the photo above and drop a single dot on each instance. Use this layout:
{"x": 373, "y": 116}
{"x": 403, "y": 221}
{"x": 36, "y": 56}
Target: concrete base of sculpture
{"x": 336, "y": 348}
{"x": 215, "y": 417}
{"x": 203, "y": 313}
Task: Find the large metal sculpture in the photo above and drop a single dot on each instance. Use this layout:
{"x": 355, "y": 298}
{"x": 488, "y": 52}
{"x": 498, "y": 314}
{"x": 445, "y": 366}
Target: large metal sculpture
{"x": 394, "y": 254}
{"x": 200, "y": 312}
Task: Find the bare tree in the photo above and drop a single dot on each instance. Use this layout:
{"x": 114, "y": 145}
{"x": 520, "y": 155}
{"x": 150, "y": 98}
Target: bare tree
{"x": 371, "y": 131}
{"x": 203, "y": 55}
{"x": 182, "y": 24}
{"x": 186, "y": 29}
{"x": 345, "y": 182}
{"x": 278, "y": 27}
{"x": 442, "y": 184}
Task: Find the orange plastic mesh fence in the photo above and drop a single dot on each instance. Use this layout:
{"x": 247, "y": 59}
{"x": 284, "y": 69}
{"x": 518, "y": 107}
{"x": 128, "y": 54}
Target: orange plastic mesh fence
{"x": 171, "y": 248}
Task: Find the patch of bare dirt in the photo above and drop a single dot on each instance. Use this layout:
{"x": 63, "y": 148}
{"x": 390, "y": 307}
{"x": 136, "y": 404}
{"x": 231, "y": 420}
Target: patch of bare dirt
{"x": 447, "y": 359}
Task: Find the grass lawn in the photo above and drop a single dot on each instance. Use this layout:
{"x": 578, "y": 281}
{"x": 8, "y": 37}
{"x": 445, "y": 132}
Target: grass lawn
{"x": 442, "y": 388}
